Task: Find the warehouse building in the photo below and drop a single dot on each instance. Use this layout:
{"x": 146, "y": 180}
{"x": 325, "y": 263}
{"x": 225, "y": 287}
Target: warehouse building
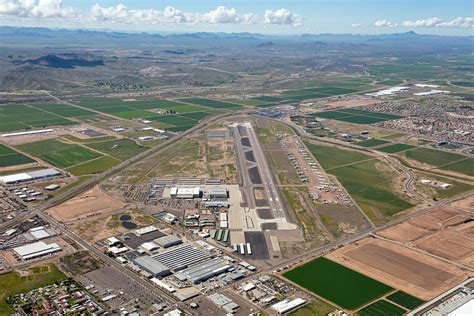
{"x": 218, "y": 193}
{"x": 180, "y": 257}
{"x": 30, "y": 176}
{"x": 204, "y": 270}
{"x": 39, "y": 233}
{"x": 168, "y": 241}
{"x": 35, "y": 250}
{"x": 286, "y": 305}
{"x": 185, "y": 193}
{"x": 152, "y": 266}
{"x": 217, "y": 204}
{"x": 41, "y": 131}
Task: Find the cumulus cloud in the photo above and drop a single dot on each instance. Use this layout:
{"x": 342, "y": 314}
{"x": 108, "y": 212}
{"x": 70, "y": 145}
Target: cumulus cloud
{"x": 384, "y": 23}
{"x": 38, "y": 9}
{"x": 356, "y": 25}
{"x": 422, "y": 23}
{"x": 459, "y": 22}
{"x": 225, "y": 15}
{"x": 121, "y": 14}
{"x": 282, "y": 17}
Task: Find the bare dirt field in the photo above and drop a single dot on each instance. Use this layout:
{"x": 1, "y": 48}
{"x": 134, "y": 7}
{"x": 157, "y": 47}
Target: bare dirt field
{"x": 403, "y": 232}
{"x": 400, "y": 267}
{"x": 444, "y": 232}
{"x": 98, "y": 229}
{"x": 466, "y": 203}
{"x": 451, "y": 243}
{"x": 92, "y": 202}
{"x": 439, "y": 218}
{"x": 352, "y": 103}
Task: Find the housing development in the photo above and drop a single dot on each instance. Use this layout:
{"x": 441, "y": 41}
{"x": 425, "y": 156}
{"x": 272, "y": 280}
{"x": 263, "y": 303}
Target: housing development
{"x": 248, "y": 174}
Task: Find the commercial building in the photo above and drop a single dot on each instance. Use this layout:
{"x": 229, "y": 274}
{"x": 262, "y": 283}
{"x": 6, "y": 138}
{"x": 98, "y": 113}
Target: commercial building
{"x": 41, "y": 131}
{"x": 40, "y": 232}
{"x": 30, "y": 176}
{"x": 149, "y": 246}
{"x": 180, "y": 257}
{"x": 204, "y": 270}
{"x": 152, "y": 266}
{"x": 35, "y": 250}
{"x": 168, "y": 241}
{"x": 224, "y": 302}
{"x": 185, "y": 193}
{"x": 145, "y": 230}
{"x": 286, "y": 305}
{"x": 217, "y": 204}
{"x": 218, "y": 193}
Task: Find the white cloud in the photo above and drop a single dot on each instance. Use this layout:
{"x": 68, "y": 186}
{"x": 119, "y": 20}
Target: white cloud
{"x": 121, "y": 14}
{"x": 422, "y": 23}
{"x": 356, "y": 25}
{"x": 40, "y": 9}
{"x": 282, "y": 17}
{"x": 384, "y": 23}
{"x": 225, "y": 15}
{"x": 459, "y": 22}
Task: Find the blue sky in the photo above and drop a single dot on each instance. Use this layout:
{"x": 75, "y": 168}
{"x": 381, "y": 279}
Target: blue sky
{"x": 450, "y": 17}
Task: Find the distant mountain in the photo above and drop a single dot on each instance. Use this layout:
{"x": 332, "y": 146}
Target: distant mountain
{"x": 54, "y": 61}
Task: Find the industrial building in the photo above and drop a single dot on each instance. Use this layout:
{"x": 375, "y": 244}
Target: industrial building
{"x": 152, "y": 266}
{"x": 286, "y": 305}
{"x": 180, "y": 257}
{"x": 217, "y": 204}
{"x": 204, "y": 270}
{"x": 185, "y": 193}
{"x": 224, "y": 302}
{"x": 149, "y": 246}
{"x": 30, "y": 176}
{"x": 41, "y": 131}
{"x": 168, "y": 241}
{"x": 40, "y": 232}
{"x": 216, "y": 134}
{"x": 218, "y": 193}
{"x": 35, "y": 250}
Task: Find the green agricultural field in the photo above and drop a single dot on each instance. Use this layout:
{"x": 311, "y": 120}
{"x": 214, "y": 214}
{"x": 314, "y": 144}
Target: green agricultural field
{"x": 180, "y": 128}
{"x": 59, "y": 154}
{"x": 196, "y": 115}
{"x": 333, "y": 115}
{"x": 332, "y": 157}
{"x": 251, "y": 102}
{"x": 406, "y": 300}
{"x": 14, "y": 117}
{"x": 129, "y": 115}
{"x": 469, "y": 84}
{"x": 121, "y": 149}
{"x": 94, "y": 166}
{"x": 210, "y": 103}
{"x": 381, "y": 307}
{"x": 63, "y": 110}
{"x": 269, "y": 98}
{"x": 11, "y": 283}
{"x": 371, "y": 142}
{"x": 315, "y": 308}
{"x": 336, "y": 283}
{"x": 88, "y": 140}
{"x": 361, "y": 119}
{"x": 465, "y": 166}
{"x": 175, "y": 120}
{"x": 395, "y": 148}
{"x": 5, "y": 150}
{"x": 14, "y": 160}
{"x": 69, "y": 156}
{"x": 433, "y": 157}
{"x": 370, "y": 188}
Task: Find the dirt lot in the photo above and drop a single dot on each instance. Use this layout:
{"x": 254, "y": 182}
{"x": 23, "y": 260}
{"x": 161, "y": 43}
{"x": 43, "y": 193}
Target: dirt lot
{"x": 402, "y": 268}
{"x": 467, "y": 203}
{"x": 444, "y": 232}
{"x": 101, "y": 228}
{"x": 92, "y": 202}
{"x": 451, "y": 243}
